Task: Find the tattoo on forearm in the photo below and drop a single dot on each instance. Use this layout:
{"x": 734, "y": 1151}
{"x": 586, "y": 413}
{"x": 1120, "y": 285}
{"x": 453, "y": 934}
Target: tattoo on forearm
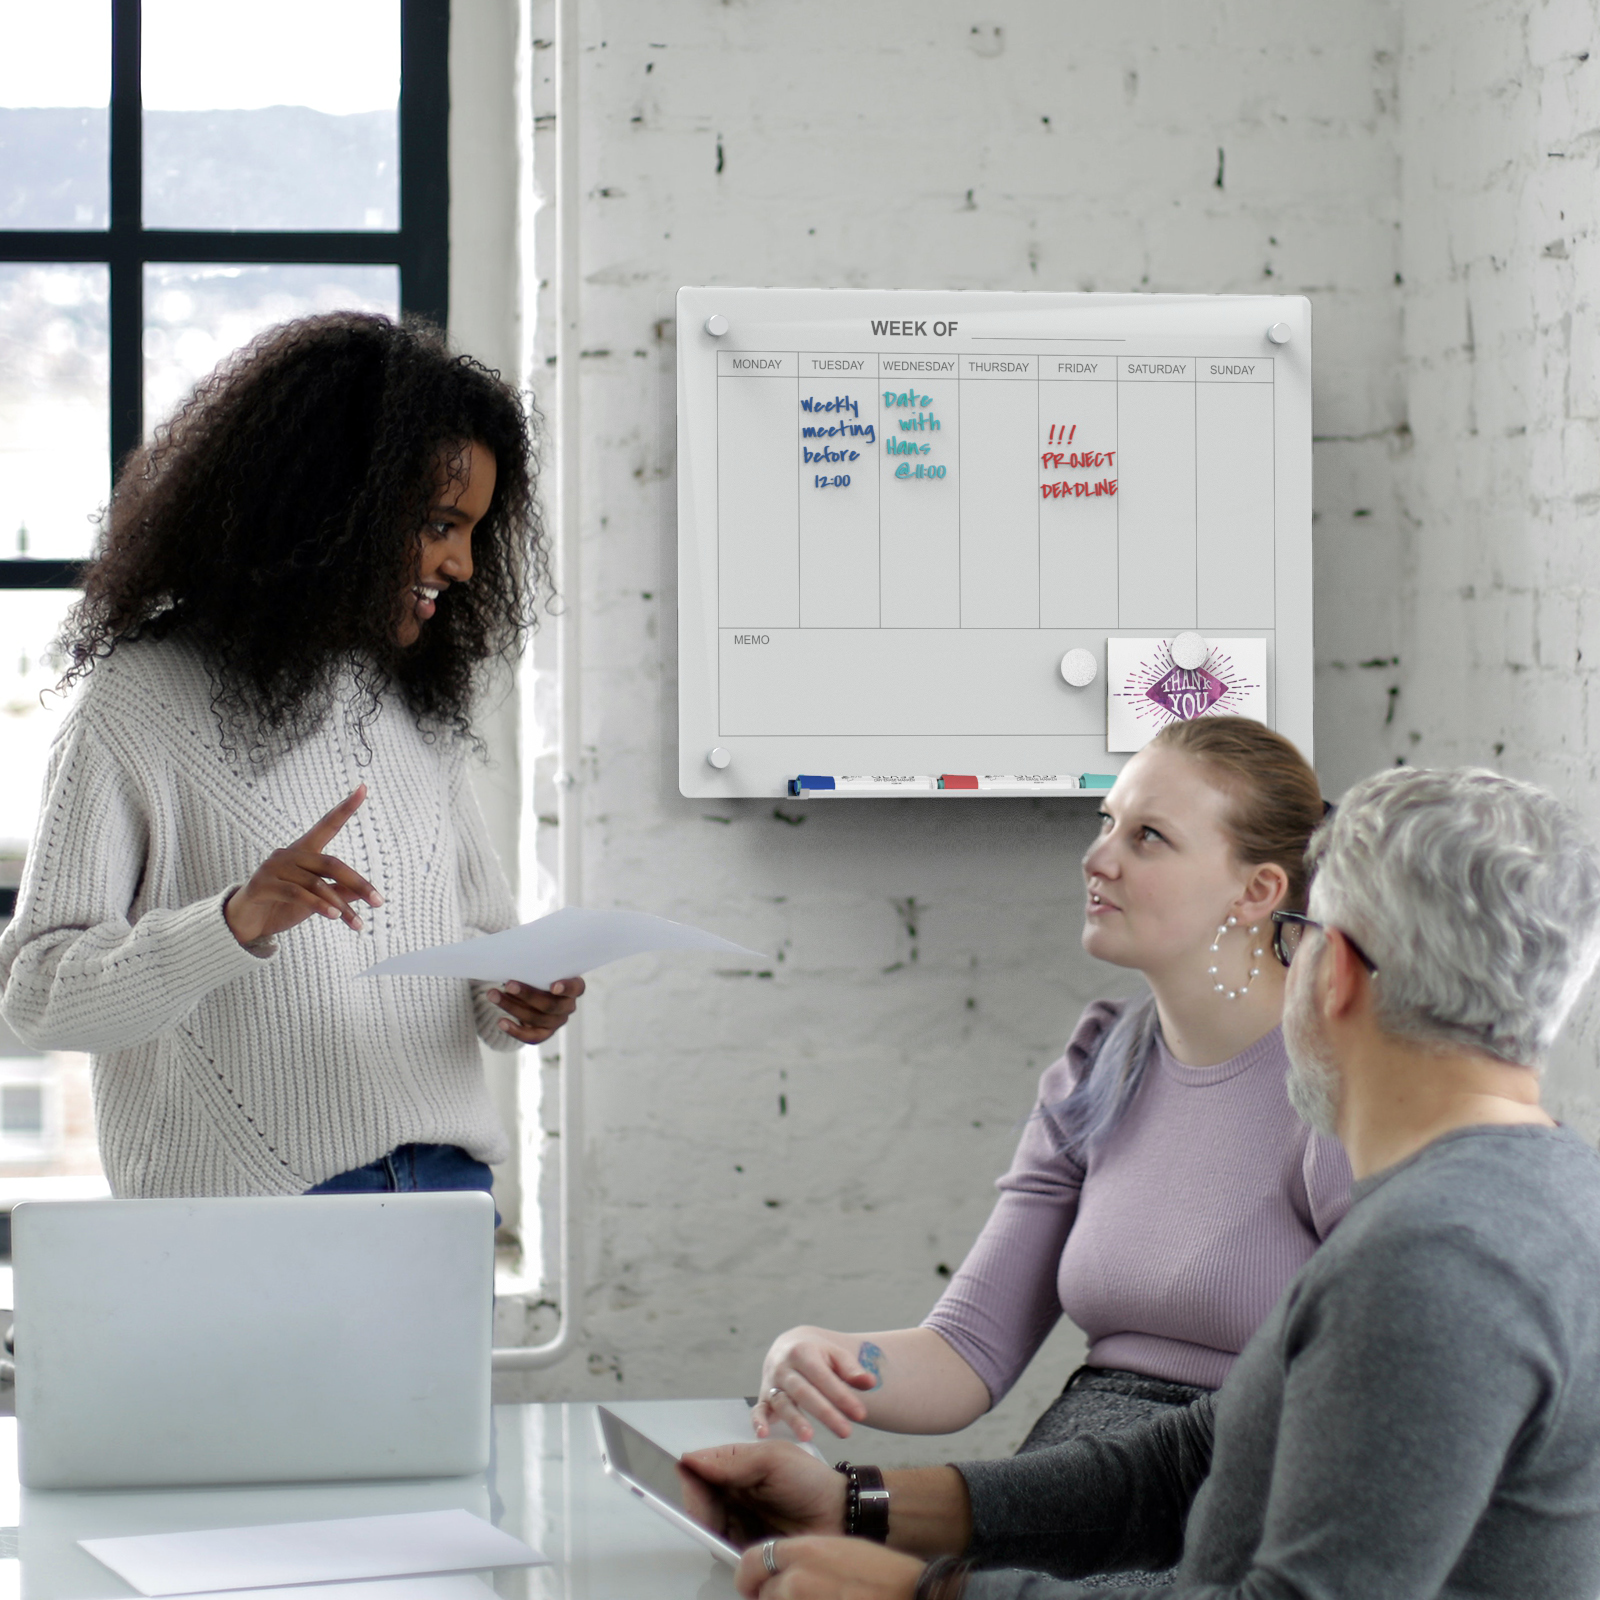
{"x": 872, "y": 1359}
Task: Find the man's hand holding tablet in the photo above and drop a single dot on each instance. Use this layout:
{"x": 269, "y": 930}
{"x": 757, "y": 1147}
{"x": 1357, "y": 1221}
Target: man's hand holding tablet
{"x": 802, "y": 1496}
{"x": 792, "y": 1489}
{"x": 813, "y": 1568}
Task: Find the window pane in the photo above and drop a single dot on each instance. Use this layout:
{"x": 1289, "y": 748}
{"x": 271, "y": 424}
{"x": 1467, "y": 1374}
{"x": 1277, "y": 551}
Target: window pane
{"x": 280, "y": 116}
{"x": 194, "y": 316}
{"x": 60, "y": 1142}
{"x": 30, "y": 713}
{"x": 54, "y": 154}
{"x": 54, "y": 407}
{"x": 22, "y": 1109}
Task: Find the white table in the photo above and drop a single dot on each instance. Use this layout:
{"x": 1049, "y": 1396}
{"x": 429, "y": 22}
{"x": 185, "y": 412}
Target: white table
{"x": 545, "y": 1484}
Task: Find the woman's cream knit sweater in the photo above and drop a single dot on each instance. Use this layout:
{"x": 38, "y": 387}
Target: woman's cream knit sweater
{"x": 220, "y": 1070}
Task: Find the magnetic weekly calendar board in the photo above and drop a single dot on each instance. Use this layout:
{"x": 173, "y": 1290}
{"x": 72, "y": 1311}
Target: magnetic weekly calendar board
{"x": 907, "y": 519}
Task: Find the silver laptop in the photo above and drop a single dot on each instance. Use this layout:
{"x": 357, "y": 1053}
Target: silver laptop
{"x": 252, "y": 1341}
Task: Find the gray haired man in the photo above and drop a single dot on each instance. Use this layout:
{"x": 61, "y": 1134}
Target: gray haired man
{"x": 1420, "y": 1415}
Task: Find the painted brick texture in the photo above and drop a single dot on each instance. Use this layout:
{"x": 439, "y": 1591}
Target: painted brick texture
{"x": 1500, "y": 106}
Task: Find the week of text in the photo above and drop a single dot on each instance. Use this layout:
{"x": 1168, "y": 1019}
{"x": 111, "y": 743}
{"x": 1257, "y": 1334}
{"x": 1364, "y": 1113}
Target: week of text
{"x": 913, "y": 330}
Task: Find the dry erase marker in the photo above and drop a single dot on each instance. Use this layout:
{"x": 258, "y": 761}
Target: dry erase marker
{"x": 811, "y": 783}
{"x": 882, "y": 784}
{"x": 1028, "y": 783}
{"x": 956, "y": 780}
{"x": 1098, "y": 780}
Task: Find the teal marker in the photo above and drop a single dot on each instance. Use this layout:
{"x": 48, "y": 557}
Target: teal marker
{"x": 1097, "y": 780}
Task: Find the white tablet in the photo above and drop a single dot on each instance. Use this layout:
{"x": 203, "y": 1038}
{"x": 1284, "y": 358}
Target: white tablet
{"x": 671, "y": 1490}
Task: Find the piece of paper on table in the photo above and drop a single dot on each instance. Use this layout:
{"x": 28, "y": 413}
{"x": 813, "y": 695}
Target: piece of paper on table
{"x": 282, "y": 1553}
{"x": 566, "y": 944}
{"x": 435, "y": 1586}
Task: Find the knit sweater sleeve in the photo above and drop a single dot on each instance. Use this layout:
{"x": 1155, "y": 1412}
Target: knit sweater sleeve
{"x": 1100, "y": 1503}
{"x": 1003, "y": 1301}
{"x": 78, "y": 970}
{"x": 487, "y": 905}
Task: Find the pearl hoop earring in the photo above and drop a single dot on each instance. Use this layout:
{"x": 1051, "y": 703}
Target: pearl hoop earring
{"x": 1255, "y": 955}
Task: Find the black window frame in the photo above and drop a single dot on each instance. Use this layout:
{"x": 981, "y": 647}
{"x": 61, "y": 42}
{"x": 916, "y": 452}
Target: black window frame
{"x": 419, "y": 247}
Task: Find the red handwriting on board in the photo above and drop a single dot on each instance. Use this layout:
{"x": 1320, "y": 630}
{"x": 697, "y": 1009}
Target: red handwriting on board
{"x": 1077, "y": 488}
{"x": 1067, "y": 459}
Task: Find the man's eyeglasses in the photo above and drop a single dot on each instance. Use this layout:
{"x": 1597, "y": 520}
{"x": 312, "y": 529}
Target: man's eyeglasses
{"x": 1288, "y": 928}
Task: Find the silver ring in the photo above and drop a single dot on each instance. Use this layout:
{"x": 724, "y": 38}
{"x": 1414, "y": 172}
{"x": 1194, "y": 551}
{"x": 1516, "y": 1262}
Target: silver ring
{"x": 769, "y": 1556}
{"x": 774, "y": 1392}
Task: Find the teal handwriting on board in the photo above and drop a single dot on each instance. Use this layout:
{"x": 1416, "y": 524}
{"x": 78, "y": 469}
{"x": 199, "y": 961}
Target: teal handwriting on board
{"x": 922, "y": 420}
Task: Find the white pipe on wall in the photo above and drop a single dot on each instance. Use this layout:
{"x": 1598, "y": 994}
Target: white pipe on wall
{"x": 569, "y": 802}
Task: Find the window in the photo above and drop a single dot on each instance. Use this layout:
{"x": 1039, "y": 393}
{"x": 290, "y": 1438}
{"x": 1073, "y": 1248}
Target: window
{"x": 175, "y": 176}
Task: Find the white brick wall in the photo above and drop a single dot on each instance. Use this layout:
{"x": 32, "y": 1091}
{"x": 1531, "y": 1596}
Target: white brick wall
{"x": 1499, "y": 109}
{"x": 816, "y": 1143}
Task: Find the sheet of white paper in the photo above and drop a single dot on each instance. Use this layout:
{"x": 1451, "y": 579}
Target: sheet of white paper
{"x": 436, "y": 1586}
{"x": 338, "y": 1551}
{"x": 566, "y": 944}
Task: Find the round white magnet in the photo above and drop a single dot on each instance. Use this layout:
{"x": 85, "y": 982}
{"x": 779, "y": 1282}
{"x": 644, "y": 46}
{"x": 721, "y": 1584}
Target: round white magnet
{"x": 1280, "y": 333}
{"x": 1079, "y": 668}
{"x": 1189, "y": 651}
{"x": 719, "y": 758}
{"x": 717, "y": 325}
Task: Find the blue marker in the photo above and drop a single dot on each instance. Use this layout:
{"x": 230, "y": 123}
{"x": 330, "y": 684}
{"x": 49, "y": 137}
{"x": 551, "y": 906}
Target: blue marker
{"x": 803, "y": 782}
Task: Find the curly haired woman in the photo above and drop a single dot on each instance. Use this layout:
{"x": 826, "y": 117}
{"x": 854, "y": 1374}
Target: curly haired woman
{"x": 303, "y": 579}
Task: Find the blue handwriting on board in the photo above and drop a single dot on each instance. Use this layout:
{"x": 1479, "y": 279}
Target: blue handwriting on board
{"x": 848, "y": 430}
{"x": 909, "y": 398}
{"x": 840, "y": 405}
{"x": 852, "y": 430}
{"x": 906, "y": 447}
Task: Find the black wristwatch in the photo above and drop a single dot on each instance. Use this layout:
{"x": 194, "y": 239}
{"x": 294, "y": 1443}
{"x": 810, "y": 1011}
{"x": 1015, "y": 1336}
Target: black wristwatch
{"x": 866, "y": 1503}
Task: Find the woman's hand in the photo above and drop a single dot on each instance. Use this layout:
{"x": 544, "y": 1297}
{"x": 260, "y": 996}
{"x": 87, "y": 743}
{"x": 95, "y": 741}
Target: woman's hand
{"x": 299, "y": 881}
{"x": 828, "y": 1569}
{"x": 817, "y": 1371}
{"x": 792, "y": 1490}
{"x": 532, "y": 1015}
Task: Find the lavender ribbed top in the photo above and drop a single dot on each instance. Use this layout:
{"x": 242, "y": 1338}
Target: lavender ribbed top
{"x": 1174, "y": 1242}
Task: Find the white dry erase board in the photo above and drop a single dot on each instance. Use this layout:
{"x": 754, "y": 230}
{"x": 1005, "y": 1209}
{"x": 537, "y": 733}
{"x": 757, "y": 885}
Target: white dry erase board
{"x": 928, "y": 535}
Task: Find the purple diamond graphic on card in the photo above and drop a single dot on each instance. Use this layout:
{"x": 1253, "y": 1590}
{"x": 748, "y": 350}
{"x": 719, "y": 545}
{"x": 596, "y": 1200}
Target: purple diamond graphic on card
{"x": 1187, "y": 694}
{"x": 1146, "y": 689}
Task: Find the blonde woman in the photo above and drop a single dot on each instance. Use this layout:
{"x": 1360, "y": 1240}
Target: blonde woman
{"x": 1164, "y": 1191}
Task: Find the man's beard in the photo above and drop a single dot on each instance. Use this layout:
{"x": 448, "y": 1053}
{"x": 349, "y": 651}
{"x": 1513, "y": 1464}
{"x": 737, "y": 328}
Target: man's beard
{"x": 1314, "y": 1084}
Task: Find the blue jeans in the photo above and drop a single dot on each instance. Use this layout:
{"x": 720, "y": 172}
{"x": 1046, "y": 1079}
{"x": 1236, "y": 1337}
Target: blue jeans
{"x": 413, "y": 1167}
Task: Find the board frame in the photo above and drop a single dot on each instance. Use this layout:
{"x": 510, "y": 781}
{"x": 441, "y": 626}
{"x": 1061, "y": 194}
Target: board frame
{"x": 761, "y": 766}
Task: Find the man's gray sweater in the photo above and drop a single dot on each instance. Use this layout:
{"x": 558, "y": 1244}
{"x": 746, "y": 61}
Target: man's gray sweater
{"x": 1419, "y": 1417}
